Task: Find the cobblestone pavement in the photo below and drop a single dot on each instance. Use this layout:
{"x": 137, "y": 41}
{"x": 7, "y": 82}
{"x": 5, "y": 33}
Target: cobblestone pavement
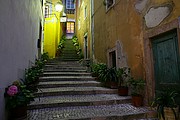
{"x": 74, "y": 89}
{"x": 78, "y": 98}
{"x": 76, "y": 95}
{"x": 66, "y": 113}
{"x": 67, "y": 82}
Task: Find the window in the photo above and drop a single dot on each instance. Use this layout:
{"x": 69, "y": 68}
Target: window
{"x": 70, "y": 4}
{"x": 109, "y": 3}
{"x": 85, "y": 12}
{"x": 46, "y": 11}
{"x": 70, "y": 27}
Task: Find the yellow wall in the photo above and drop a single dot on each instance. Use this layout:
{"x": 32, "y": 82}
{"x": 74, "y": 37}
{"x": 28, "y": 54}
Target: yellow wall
{"x": 126, "y": 23}
{"x": 52, "y": 34}
{"x": 85, "y": 25}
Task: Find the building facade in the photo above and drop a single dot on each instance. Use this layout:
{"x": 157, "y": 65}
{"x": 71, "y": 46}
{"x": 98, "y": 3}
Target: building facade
{"x": 83, "y": 26}
{"x": 69, "y": 11}
{"x": 53, "y": 28}
{"x": 140, "y": 34}
{"x": 21, "y": 28}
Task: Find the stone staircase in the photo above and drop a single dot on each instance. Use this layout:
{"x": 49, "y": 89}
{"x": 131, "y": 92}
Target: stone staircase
{"x": 69, "y": 52}
{"x": 68, "y": 92}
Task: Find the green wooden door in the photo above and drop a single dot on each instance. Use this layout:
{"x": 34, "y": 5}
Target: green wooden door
{"x": 166, "y": 60}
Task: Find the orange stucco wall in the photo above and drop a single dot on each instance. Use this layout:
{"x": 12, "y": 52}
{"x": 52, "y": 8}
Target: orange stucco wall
{"x": 128, "y": 23}
{"x": 120, "y": 23}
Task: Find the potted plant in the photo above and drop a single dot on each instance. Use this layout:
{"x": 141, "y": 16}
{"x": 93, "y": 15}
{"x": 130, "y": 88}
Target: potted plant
{"x": 60, "y": 46}
{"x": 109, "y": 76}
{"x": 123, "y": 75}
{"x": 98, "y": 69}
{"x": 44, "y": 57}
{"x": 31, "y": 78}
{"x": 167, "y": 108}
{"x": 17, "y": 97}
{"x": 137, "y": 89}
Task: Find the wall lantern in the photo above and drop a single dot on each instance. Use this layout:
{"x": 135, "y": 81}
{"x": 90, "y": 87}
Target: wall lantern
{"x": 58, "y": 7}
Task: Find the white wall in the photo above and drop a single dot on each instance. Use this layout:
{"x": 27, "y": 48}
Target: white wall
{"x": 19, "y": 32}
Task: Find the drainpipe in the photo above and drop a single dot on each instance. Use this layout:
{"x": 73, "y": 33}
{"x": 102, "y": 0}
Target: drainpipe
{"x": 92, "y": 28}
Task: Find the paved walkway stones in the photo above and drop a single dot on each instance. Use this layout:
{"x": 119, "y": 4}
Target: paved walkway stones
{"x": 68, "y": 92}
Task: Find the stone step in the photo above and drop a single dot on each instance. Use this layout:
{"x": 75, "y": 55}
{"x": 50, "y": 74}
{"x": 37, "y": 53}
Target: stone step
{"x": 102, "y": 112}
{"x": 69, "y": 55}
{"x": 66, "y": 74}
{"x": 60, "y": 70}
{"x": 78, "y": 100}
{"x": 63, "y": 63}
{"x": 69, "y": 59}
{"x": 64, "y": 68}
{"x": 66, "y": 78}
{"x": 53, "y": 84}
{"x": 74, "y": 91}
{"x": 67, "y": 50}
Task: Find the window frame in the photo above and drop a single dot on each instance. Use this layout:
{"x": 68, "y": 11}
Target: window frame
{"x": 46, "y": 14}
{"x": 71, "y": 2}
{"x": 85, "y": 12}
{"x": 70, "y": 22}
{"x": 108, "y": 7}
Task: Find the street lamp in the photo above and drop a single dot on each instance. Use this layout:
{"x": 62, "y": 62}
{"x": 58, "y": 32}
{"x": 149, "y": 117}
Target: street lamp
{"x": 58, "y": 7}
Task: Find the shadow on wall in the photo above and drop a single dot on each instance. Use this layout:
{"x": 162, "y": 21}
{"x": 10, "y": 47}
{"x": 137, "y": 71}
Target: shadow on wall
{"x": 2, "y": 106}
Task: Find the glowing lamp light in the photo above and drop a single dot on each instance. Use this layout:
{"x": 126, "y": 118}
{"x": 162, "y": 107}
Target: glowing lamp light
{"x": 58, "y": 7}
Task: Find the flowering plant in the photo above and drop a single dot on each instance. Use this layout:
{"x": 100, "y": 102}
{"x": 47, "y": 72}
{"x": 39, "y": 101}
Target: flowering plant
{"x": 17, "y": 95}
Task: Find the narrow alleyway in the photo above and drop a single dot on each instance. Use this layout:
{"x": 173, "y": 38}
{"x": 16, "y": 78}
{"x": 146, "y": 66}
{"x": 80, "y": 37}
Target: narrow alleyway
{"x": 68, "y": 91}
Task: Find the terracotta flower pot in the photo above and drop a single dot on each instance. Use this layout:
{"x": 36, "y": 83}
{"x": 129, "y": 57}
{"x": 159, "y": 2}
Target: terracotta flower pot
{"x": 18, "y": 112}
{"x": 137, "y": 101}
{"x": 169, "y": 115}
{"x": 113, "y": 85}
{"x": 123, "y": 91}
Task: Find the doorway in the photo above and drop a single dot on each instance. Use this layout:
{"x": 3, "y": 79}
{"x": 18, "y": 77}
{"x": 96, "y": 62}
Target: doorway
{"x": 166, "y": 60}
{"x": 112, "y": 57}
{"x": 85, "y": 47}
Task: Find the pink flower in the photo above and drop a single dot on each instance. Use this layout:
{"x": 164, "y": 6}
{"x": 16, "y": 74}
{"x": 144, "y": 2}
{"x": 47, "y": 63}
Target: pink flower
{"x": 12, "y": 90}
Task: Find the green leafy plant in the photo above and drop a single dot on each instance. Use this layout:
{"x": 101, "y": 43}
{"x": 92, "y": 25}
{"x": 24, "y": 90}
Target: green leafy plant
{"x": 17, "y": 95}
{"x": 44, "y": 57}
{"x": 165, "y": 98}
{"x": 98, "y": 69}
{"x": 61, "y": 45}
{"x": 123, "y": 75}
{"x": 32, "y": 75}
{"x": 77, "y": 46}
{"x": 137, "y": 86}
{"x": 109, "y": 74}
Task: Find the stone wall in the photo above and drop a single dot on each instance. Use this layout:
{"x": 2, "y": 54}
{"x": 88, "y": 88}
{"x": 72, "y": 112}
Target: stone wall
{"x": 19, "y": 32}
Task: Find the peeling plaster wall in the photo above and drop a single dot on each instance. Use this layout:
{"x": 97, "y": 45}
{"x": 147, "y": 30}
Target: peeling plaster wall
{"x": 19, "y": 32}
{"x": 156, "y": 15}
{"x": 140, "y": 5}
